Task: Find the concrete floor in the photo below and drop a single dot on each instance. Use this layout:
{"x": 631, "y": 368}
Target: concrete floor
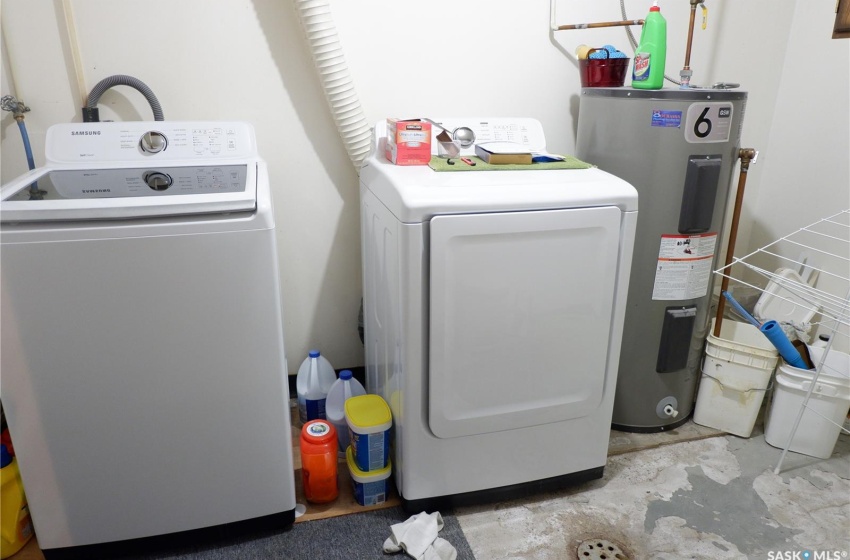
{"x": 709, "y": 496}
{"x": 715, "y": 498}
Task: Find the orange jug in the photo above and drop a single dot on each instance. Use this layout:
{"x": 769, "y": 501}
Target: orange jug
{"x": 319, "y": 461}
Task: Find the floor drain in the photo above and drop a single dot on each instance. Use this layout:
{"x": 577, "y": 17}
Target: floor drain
{"x": 600, "y": 549}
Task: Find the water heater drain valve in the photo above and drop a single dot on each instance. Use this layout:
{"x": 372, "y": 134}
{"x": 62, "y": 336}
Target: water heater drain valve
{"x": 668, "y": 407}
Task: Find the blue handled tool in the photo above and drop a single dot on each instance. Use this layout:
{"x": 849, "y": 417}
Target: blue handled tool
{"x": 740, "y": 308}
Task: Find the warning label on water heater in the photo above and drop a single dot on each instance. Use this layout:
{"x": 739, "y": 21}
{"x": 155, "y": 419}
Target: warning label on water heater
{"x": 684, "y": 266}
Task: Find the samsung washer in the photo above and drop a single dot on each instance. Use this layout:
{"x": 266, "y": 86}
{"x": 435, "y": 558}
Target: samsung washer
{"x": 144, "y": 376}
{"x": 493, "y": 308}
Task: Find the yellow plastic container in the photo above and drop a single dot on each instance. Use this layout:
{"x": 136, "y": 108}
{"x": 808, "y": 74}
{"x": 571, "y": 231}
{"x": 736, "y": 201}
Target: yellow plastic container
{"x": 15, "y": 523}
{"x": 370, "y": 488}
{"x": 369, "y": 421}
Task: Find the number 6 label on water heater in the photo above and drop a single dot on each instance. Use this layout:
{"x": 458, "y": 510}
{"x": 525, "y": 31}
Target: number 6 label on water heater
{"x": 708, "y": 122}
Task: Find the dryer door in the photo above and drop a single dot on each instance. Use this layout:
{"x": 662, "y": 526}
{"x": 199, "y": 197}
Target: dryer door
{"x": 520, "y": 317}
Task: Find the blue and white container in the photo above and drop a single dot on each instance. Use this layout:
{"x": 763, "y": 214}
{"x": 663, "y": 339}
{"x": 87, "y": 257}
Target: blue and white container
{"x": 314, "y": 380}
{"x": 369, "y": 421}
{"x": 342, "y": 389}
{"x": 370, "y": 488}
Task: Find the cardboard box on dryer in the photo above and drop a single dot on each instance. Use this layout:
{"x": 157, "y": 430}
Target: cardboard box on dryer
{"x": 408, "y": 142}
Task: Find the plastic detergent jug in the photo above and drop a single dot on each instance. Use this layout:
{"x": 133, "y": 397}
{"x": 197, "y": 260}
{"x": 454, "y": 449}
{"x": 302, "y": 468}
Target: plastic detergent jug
{"x": 314, "y": 380}
{"x": 651, "y": 54}
{"x": 342, "y": 389}
{"x": 15, "y": 523}
{"x": 319, "y": 462}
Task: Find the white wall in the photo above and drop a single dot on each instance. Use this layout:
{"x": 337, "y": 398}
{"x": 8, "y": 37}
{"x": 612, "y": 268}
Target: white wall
{"x": 248, "y": 60}
{"x": 806, "y": 175}
{"x": 807, "y": 157}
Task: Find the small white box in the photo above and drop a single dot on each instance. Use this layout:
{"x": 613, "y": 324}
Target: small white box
{"x": 408, "y": 142}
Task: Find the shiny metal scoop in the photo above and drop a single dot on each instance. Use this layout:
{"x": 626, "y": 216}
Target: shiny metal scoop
{"x": 462, "y": 135}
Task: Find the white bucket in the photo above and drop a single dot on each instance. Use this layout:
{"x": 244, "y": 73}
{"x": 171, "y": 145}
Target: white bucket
{"x": 736, "y": 371}
{"x": 826, "y": 410}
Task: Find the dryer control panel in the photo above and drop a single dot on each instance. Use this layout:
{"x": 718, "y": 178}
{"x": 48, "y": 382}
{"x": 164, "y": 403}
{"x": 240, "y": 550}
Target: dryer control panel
{"x": 161, "y": 141}
{"x": 527, "y": 132}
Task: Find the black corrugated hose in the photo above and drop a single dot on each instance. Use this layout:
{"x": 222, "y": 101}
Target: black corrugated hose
{"x": 90, "y": 112}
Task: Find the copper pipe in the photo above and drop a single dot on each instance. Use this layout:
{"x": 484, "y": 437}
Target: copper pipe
{"x": 746, "y": 155}
{"x": 599, "y": 24}
{"x": 690, "y": 34}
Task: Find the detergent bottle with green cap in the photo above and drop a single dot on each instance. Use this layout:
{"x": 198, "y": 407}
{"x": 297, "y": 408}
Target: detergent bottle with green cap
{"x": 651, "y": 54}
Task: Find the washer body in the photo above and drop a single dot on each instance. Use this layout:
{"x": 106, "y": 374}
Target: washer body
{"x": 144, "y": 375}
{"x": 493, "y": 308}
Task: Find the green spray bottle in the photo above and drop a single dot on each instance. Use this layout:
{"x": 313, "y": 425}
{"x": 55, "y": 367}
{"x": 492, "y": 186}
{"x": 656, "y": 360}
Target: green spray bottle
{"x": 651, "y": 54}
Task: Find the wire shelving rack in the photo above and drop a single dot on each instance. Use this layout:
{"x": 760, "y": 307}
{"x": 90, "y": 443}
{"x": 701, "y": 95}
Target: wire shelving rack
{"x": 825, "y": 242}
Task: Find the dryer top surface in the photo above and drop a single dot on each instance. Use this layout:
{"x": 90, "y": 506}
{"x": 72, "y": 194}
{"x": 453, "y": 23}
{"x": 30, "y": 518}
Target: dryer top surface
{"x": 415, "y": 193}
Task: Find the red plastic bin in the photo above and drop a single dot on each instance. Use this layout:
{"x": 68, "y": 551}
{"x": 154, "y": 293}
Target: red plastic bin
{"x": 603, "y": 72}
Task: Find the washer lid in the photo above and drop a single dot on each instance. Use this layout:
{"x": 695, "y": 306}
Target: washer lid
{"x": 49, "y": 194}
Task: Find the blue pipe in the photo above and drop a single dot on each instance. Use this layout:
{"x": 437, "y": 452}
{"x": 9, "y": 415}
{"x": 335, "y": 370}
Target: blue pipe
{"x": 28, "y": 150}
{"x": 776, "y": 336}
{"x": 27, "y": 147}
{"x": 740, "y": 309}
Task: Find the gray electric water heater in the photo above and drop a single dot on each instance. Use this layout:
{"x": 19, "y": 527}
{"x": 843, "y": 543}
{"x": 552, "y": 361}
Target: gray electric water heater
{"x": 679, "y": 149}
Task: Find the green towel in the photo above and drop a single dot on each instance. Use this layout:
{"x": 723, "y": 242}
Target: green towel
{"x": 441, "y": 164}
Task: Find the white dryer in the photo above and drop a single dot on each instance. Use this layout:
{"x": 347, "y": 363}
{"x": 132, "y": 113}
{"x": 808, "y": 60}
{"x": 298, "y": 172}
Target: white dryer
{"x": 144, "y": 376}
{"x": 493, "y": 308}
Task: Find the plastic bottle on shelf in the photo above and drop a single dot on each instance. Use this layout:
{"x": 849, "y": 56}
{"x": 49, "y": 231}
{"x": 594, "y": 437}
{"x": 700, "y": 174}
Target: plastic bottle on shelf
{"x": 319, "y": 461}
{"x": 15, "y": 523}
{"x": 343, "y": 389}
{"x": 314, "y": 380}
{"x": 651, "y": 54}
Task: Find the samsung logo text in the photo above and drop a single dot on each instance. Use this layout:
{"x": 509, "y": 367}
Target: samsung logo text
{"x": 85, "y": 133}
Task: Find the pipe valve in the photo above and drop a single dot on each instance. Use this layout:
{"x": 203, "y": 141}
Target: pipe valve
{"x": 748, "y": 156}
{"x": 11, "y": 104}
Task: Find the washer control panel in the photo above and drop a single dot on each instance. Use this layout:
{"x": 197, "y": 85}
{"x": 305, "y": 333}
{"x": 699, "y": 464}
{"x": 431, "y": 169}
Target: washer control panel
{"x": 160, "y": 141}
{"x": 153, "y": 142}
{"x": 79, "y": 184}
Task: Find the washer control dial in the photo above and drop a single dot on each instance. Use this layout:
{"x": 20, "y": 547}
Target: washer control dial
{"x": 153, "y": 142}
{"x": 157, "y": 180}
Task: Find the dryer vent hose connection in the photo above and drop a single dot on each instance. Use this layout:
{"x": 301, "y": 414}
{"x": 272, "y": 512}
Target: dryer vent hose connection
{"x": 353, "y": 128}
{"x": 90, "y": 112}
